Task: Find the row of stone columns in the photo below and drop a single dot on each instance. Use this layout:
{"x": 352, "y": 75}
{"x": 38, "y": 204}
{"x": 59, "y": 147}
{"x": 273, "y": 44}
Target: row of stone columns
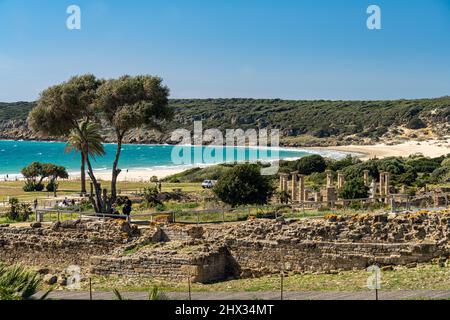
{"x": 297, "y": 187}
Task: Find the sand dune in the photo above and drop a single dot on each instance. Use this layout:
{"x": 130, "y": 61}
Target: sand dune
{"x": 431, "y": 148}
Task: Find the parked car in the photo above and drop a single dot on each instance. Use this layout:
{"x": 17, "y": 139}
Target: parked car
{"x": 208, "y": 184}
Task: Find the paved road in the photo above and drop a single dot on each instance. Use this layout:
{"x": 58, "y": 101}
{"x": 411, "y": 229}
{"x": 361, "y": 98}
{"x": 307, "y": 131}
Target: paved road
{"x": 364, "y": 295}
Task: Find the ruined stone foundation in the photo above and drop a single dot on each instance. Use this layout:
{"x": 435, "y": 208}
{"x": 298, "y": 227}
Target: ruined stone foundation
{"x": 215, "y": 252}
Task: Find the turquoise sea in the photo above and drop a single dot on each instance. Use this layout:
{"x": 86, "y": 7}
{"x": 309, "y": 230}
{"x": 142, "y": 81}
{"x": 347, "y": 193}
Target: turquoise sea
{"x": 14, "y": 155}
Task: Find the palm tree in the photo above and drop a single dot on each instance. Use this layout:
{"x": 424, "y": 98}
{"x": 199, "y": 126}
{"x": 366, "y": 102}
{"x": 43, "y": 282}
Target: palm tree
{"x": 87, "y": 133}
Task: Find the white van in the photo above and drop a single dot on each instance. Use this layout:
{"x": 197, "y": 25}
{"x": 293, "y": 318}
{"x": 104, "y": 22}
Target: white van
{"x": 209, "y": 184}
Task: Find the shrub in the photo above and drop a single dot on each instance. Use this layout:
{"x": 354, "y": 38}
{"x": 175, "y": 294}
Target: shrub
{"x": 310, "y": 164}
{"x": 52, "y": 186}
{"x": 341, "y": 164}
{"x": 18, "y": 283}
{"x": 446, "y": 162}
{"x": 31, "y": 186}
{"x": 19, "y": 212}
{"x": 355, "y": 205}
{"x": 408, "y": 178}
{"x": 415, "y": 124}
{"x": 160, "y": 207}
{"x": 440, "y": 175}
{"x": 151, "y": 197}
{"x": 244, "y": 185}
{"x": 354, "y": 189}
{"x": 423, "y": 164}
{"x": 199, "y": 174}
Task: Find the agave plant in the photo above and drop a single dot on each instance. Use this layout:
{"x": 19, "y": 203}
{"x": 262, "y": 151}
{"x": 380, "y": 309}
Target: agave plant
{"x": 156, "y": 294}
{"x": 19, "y": 283}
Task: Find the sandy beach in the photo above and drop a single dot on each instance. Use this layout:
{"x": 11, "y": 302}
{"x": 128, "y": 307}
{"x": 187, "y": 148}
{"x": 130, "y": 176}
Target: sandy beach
{"x": 139, "y": 175}
{"x": 430, "y": 148}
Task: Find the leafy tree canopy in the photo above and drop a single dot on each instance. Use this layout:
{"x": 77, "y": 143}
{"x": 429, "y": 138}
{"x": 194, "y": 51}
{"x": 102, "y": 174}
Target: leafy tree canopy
{"x": 310, "y": 164}
{"x": 243, "y": 185}
{"x": 354, "y": 189}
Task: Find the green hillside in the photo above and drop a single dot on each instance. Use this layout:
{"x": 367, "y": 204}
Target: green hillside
{"x": 315, "y": 119}
{"x": 14, "y": 111}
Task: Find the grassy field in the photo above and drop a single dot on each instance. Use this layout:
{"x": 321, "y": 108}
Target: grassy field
{"x": 14, "y": 189}
{"x": 423, "y": 277}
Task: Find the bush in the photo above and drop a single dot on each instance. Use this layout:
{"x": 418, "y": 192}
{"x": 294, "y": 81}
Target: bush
{"x": 440, "y": 175}
{"x": 354, "y": 189}
{"x": 355, "y": 205}
{"x": 408, "y": 178}
{"x": 18, "y": 283}
{"x": 199, "y": 174}
{"x": 394, "y": 165}
{"x": 244, "y": 185}
{"x": 415, "y": 124}
{"x": 336, "y": 165}
{"x": 51, "y": 186}
{"x": 31, "y": 186}
{"x": 19, "y": 212}
{"x": 423, "y": 164}
{"x": 310, "y": 164}
{"x": 151, "y": 197}
{"x": 446, "y": 162}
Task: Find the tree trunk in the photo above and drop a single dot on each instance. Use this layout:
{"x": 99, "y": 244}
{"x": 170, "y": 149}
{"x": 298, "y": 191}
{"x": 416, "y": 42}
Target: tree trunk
{"x": 97, "y": 202}
{"x": 83, "y": 173}
{"x": 99, "y": 205}
{"x": 115, "y": 170}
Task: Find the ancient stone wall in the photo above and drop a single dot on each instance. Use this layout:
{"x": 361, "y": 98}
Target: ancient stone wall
{"x": 256, "y": 258}
{"x": 214, "y": 252}
{"x": 200, "y": 268}
{"x": 62, "y": 244}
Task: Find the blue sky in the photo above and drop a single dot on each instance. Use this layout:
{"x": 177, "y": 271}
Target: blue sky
{"x": 291, "y": 49}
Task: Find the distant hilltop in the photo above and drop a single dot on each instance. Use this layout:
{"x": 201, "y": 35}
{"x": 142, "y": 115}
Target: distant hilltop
{"x": 301, "y": 122}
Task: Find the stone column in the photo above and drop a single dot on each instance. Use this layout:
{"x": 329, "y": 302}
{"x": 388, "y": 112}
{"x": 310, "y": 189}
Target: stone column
{"x": 317, "y": 196}
{"x": 282, "y": 182}
{"x": 301, "y": 189}
{"x": 373, "y": 190}
{"x": 341, "y": 180}
{"x": 294, "y": 188}
{"x": 366, "y": 178}
{"x": 306, "y": 195}
{"x": 382, "y": 187}
{"x": 329, "y": 179}
{"x": 387, "y": 183}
